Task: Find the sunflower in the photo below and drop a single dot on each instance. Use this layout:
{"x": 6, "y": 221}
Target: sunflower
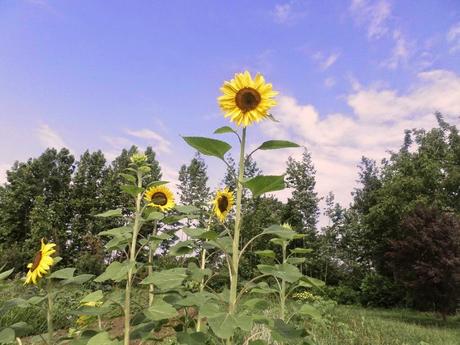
{"x": 42, "y": 263}
{"x": 246, "y": 100}
{"x": 161, "y": 197}
{"x": 223, "y": 203}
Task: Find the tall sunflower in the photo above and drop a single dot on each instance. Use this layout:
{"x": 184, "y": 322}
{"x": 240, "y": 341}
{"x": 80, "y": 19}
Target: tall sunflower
{"x": 41, "y": 264}
{"x": 223, "y": 203}
{"x": 246, "y": 100}
{"x": 161, "y": 197}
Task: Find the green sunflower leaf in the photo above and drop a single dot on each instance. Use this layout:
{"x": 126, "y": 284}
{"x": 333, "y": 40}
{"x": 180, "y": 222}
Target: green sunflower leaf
{"x": 65, "y": 273}
{"x": 277, "y": 144}
{"x": 266, "y": 253}
{"x": 166, "y": 279}
{"x": 224, "y": 129}
{"x": 7, "y": 336}
{"x": 110, "y": 213}
{"x": 287, "y": 272}
{"x": 132, "y": 190}
{"x": 160, "y": 310}
{"x": 6, "y": 274}
{"x": 93, "y": 297}
{"x": 208, "y": 146}
{"x": 263, "y": 184}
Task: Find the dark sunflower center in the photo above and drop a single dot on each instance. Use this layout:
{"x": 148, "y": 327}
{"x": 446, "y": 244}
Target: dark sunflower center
{"x": 222, "y": 203}
{"x": 37, "y": 260}
{"x": 159, "y": 198}
{"x": 247, "y": 99}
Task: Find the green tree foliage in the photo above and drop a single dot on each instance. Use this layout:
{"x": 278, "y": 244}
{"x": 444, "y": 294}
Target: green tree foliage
{"x": 302, "y": 209}
{"x": 193, "y": 180}
{"x": 427, "y": 258}
{"x": 37, "y": 190}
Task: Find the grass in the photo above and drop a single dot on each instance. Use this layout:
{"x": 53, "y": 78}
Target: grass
{"x": 354, "y": 325}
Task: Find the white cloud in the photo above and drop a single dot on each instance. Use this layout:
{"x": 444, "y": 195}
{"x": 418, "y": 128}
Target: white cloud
{"x": 400, "y": 53}
{"x": 160, "y": 144}
{"x": 282, "y": 13}
{"x": 50, "y": 138}
{"x": 373, "y": 15}
{"x": 453, "y": 37}
{"x": 329, "y": 82}
{"x": 376, "y": 124}
{"x": 325, "y": 61}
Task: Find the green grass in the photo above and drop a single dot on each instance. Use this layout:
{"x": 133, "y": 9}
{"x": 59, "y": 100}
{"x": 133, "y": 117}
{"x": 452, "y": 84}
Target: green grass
{"x": 353, "y": 325}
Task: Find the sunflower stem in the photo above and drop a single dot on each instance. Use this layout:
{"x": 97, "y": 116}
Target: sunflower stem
{"x": 132, "y": 261}
{"x": 150, "y": 261}
{"x": 236, "y": 235}
{"x": 49, "y": 312}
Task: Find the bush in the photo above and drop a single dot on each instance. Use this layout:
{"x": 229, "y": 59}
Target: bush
{"x": 379, "y": 291}
{"x": 342, "y": 294}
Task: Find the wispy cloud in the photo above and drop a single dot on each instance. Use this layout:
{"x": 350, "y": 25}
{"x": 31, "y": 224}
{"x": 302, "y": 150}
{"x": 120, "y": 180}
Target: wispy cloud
{"x": 400, "y": 53}
{"x": 289, "y": 12}
{"x": 453, "y": 38}
{"x": 3, "y": 169}
{"x": 159, "y": 143}
{"x": 49, "y": 137}
{"x": 374, "y": 15}
{"x": 325, "y": 60}
{"x": 329, "y": 82}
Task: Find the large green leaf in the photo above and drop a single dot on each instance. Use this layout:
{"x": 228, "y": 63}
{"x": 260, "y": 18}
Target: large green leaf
{"x": 288, "y": 272}
{"x": 277, "y": 144}
{"x": 224, "y": 129}
{"x": 182, "y": 248}
{"x": 223, "y": 325}
{"x": 280, "y": 231}
{"x": 196, "y": 338}
{"x": 284, "y": 333}
{"x": 7, "y": 336}
{"x": 110, "y": 213}
{"x": 154, "y": 215}
{"x": 265, "y": 183}
{"x": 301, "y": 250}
{"x": 93, "y": 297}
{"x": 266, "y": 253}
{"x": 160, "y": 310}
{"x": 6, "y": 274}
{"x": 21, "y": 328}
{"x": 78, "y": 280}
{"x": 65, "y": 273}
{"x": 102, "y": 338}
{"x": 116, "y": 271}
{"x": 167, "y": 279}
{"x": 211, "y": 310}
{"x": 132, "y": 190}
{"x": 309, "y": 310}
{"x": 208, "y": 146}
{"x": 306, "y": 281}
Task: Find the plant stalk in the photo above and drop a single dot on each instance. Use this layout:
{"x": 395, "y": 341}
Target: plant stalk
{"x": 132, "y": 262}
{"x": 150, "y": 267}
{"x": 283, "y": 288}
{"x": 49, "y": 313}
{"x": 236, "y": 235}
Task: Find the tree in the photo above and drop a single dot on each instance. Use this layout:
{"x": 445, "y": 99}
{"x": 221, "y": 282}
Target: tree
{"x": 88, "y": 199}
{"x": 302, "y": 207}
{"x": 43, "y": 184}
{"x": 193, "y": 189}
{"x": 427, "y": 258}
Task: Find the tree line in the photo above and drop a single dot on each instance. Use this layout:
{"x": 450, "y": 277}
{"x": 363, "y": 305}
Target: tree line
{"x": 397, "y": 243}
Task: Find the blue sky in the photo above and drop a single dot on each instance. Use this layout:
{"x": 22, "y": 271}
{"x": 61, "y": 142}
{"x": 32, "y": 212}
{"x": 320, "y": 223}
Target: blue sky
{"x": 351, "y": 75}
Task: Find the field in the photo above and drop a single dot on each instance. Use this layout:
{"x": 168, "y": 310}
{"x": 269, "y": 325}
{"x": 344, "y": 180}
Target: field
{"x": 360, "y": 326}
{"x": 342, "y": 325}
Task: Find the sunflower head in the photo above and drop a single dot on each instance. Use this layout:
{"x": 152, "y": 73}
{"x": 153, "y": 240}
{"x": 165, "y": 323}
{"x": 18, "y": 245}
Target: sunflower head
{"x": 138, "y": 158}
{"x": 246, "y": 100}
{"x": 223, "y": 203}
{"x": 160, "y": 197}
{"x": 41, "y": 264}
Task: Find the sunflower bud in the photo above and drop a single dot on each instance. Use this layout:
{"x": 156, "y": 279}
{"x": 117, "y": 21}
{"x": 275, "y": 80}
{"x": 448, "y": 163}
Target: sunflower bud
{"x": 138, "y": 158}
